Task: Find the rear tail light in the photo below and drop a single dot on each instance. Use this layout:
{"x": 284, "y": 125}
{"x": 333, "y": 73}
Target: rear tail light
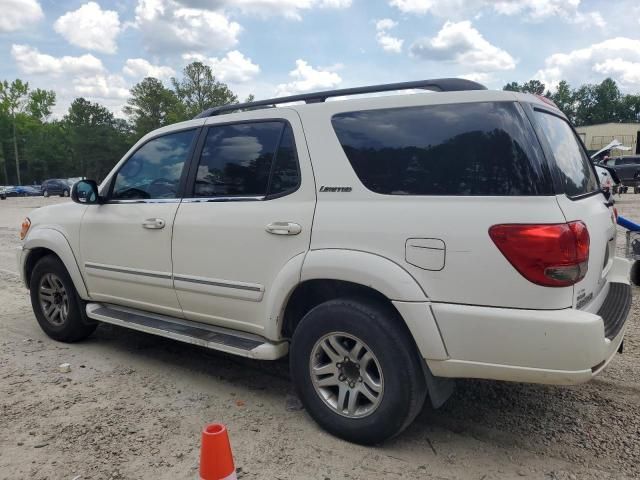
{"x": 554, "y": 255}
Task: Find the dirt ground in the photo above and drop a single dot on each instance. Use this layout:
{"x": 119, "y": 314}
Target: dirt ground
{"x": 133, "y": 406}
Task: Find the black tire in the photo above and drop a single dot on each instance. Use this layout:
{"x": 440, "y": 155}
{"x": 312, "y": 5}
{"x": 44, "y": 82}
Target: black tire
{"x": 65, "y": 193}
{"x": 75, "y": 326}
{"x": 380, "y": 328}
{"x": 635, "y": 273}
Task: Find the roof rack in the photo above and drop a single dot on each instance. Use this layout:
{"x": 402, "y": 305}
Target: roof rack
{"x": 437, "y": 84}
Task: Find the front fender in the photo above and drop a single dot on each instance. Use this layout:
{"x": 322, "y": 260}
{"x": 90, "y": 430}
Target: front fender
{"x": 56, "y": 242}
{"x": 362, "y": 268}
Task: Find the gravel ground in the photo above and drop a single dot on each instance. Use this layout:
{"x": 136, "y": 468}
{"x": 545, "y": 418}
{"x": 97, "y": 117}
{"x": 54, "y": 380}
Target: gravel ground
{"x": 133, "y": 406}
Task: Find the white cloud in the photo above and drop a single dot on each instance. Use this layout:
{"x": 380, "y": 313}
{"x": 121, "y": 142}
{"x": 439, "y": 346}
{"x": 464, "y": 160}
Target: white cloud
{"x": 307, "y": 78}
{"x": 141, "y": 68}
{"x": 233, "y": 67}
{"x": 533, "y": 10}
{"x": 288, "y": 8}
{"x": 18, "y": 14}
{"x": 388, "y": 42}
{"x": 461, "y": 43}
{"x": 617, "y": 57}
{"x": 480, "y": 77}
{"x": 31, "y": 61}
{"x": 101, "y": 86}
{"x": 166, "y": 26}
{"x": 90, "y": 27}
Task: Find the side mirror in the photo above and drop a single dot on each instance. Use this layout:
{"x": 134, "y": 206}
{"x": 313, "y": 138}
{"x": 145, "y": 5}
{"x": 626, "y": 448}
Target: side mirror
{"x": 86, "y": 192}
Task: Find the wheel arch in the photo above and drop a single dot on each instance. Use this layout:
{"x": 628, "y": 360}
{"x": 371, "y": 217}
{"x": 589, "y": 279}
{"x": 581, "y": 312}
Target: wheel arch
{"x": 47, "y": 241}
{"x": 330, "y": 274}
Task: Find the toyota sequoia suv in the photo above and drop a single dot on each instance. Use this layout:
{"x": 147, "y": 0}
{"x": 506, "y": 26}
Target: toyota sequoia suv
{"x": 387, "y": 245}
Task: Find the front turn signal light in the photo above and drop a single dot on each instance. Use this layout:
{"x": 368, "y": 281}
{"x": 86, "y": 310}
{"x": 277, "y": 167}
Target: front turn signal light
{"x": 24, "y": 228}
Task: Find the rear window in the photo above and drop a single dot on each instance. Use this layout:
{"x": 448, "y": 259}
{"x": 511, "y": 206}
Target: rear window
{"x": 485, "y": 148}
{"x": 572, "y": 164}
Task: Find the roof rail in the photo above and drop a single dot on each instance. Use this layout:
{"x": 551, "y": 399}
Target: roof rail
{"x": 437, "y": 84}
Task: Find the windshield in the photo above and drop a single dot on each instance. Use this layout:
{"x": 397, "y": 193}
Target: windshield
{"x": 572, "y": 164}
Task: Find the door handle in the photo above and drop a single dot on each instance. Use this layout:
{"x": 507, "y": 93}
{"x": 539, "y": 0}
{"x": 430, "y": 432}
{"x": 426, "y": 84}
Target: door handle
{"x": 153, "y": 223}
{"x": 284, "y": 228}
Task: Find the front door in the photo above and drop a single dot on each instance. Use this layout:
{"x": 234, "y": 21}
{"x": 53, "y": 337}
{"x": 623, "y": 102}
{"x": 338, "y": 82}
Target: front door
{"x": 126, "y": 242}
{"x": 247, "y": 212}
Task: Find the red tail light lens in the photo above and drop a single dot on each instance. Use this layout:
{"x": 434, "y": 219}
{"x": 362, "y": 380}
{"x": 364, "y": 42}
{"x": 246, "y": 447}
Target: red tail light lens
{"x": 550, "y": 255}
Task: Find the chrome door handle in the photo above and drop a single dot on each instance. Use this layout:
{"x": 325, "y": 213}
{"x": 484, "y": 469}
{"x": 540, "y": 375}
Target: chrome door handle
{"x": 284, "y": 228}
{"x": 153, "y": 223}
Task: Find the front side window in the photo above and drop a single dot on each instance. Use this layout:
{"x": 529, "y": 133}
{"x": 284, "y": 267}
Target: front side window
{"x": 482, "y": 148}
{"x": 247, "y": 160}
{"x": 154, "y": 170}
{"x": 577, "y": 176}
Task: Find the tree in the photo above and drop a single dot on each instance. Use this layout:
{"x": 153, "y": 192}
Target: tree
{"x": 96, "y": 139}
{"x": 532, "y": 86}
{"x": 199, "y": 90}
{"x": 564, "y": 98}
{"x": 151, "y": 106}
{"x": 40, "y": 103}
{"x": 13, "y": 96}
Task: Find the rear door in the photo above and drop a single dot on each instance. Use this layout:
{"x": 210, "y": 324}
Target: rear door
{"x": 246, "y": 214}
{"x": 580, "y": 199}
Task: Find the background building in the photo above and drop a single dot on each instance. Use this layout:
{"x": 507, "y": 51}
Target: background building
{"x": 598, "y": 136}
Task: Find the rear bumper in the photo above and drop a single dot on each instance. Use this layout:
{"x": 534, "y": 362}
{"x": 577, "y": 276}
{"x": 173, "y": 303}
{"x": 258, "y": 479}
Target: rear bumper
{"x": 539, "y": 346}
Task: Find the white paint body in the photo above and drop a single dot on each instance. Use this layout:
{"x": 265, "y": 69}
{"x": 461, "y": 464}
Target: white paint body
{"x": 470, "y": 312}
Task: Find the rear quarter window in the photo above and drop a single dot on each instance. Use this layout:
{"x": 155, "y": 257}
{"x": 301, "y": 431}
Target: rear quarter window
{"x": 573, "y": 167}
{"x": 485, "y": 148}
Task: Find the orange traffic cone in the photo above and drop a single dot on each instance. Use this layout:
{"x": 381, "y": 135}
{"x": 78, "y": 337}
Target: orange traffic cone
{"x": 216, "y": 460}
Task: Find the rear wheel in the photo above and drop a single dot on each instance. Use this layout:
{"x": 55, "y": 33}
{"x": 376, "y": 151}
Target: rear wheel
{"x": 357, "y": 370}
{"x": 45, "y": 193}
{"x": 56, "y": 304}
{"x": 65, "y": 193}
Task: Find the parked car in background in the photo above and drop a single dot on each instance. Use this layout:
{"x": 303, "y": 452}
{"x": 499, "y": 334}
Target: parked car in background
{"x": 56, "y": 186}
{"x": 627, "y": 168}
{"x": 20, "y": 191}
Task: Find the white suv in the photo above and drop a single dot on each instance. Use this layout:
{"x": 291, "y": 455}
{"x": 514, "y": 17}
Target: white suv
{"x": 387, "y": 244}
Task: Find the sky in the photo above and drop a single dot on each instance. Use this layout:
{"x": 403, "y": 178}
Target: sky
{"x": 100, "y": 49}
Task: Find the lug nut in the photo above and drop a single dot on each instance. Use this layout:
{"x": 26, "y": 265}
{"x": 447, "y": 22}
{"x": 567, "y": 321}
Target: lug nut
{"x": 360, "y": 379}
{"x": 341, "y": 378}
{"x": 339, "y": 365}
{"x": 352, "y": 384}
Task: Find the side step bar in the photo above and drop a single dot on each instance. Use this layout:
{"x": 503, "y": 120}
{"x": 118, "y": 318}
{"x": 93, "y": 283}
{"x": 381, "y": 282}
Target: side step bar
{"x": 208, "y": 336}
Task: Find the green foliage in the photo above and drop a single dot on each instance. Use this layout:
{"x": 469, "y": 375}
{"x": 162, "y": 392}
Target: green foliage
{"x": 532, "y": 86}
{"x": 199, "y": 90}
{"x": 151, "y": 106}
{"x": 40, "y": 103}
{"x": 96, "y": 139}
{"x": 589, "y": 104}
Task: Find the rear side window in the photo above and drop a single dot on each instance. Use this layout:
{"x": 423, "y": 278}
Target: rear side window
{"x": 247, "y": 160}
{"x": 485, "y": 148}
{"x": 572, "y": 164}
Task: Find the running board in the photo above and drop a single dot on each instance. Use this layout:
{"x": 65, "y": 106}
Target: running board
{"x": 208, "y": 336}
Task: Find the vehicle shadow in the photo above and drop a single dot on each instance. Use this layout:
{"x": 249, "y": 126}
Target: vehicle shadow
{"x": 563, "y": 422}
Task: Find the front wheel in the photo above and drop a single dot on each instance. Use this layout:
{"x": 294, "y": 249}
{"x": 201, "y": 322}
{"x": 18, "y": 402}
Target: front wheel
{"x": 56, "y": 304}
{"x": 65, "y": 193}
{"x": 45, "y": 193}
{"x": 357, "y": 370}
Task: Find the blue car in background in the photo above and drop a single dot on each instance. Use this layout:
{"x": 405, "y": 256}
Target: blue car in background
{"x": 20, "y": 191}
